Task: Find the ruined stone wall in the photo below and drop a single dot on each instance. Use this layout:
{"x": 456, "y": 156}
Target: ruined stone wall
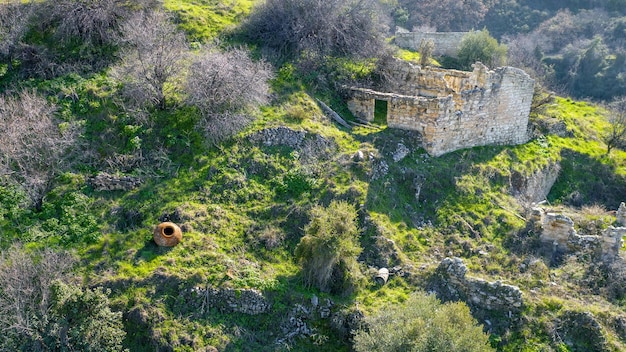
{"x": 453, "y": 109}
{"x": 557, "y": 233}
{"x": 446, "y": 43}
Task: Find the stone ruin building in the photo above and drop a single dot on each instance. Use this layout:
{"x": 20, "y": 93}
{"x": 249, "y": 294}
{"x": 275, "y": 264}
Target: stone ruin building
{"x": 451, "y": 109}
{"x": 446, "y": 43}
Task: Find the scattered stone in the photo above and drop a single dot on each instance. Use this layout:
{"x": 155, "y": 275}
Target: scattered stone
{"x": 380, "y": 170}
{"x": 311, "y": 146}
{"x": 401, "y": 152}
{"x": 227, "y": 300}
{"x": 107, "y": 182}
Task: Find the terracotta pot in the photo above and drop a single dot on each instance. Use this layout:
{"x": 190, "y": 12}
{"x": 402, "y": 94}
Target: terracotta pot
{"x": 167, "y": 234}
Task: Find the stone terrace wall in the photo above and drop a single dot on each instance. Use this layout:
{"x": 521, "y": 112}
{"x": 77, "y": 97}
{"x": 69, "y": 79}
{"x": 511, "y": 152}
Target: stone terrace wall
{"x": 446, "y": 43}
{"x": 453, "y": 109}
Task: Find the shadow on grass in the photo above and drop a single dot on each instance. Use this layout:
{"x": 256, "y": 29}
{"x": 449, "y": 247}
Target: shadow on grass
{"x": 584, "y": 180}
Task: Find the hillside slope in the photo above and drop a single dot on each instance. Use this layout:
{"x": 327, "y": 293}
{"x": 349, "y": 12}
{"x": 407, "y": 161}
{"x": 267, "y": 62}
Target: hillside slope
{"x": 244, "y": 205}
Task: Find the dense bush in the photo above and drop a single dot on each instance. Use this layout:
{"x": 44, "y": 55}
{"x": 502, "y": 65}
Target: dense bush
{"x": 317, "y": 28}
{"x": 480, "y": 46}
{"x": 42, "y": 310}
{"x": 328, "y": 251}
{"x": 422, "y": 323}
{"x": 445, "y": 15}
{"x": 82, "y": 320}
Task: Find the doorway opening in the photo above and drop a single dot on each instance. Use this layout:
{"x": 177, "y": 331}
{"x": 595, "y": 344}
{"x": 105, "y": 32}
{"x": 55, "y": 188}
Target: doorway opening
{"x": 380, "y": 112}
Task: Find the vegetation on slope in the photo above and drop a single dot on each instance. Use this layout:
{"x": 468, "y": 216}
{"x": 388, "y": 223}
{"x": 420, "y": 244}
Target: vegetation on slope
{"x": 247, "y": 208}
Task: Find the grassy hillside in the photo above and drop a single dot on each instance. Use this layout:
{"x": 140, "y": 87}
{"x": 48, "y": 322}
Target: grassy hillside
{"x": 243, "y": 206}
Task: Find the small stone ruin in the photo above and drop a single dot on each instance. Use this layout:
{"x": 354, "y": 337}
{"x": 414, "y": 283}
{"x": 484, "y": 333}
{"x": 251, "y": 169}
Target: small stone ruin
{"x": 455, "y": 285}
{"x": 558, "y": 236}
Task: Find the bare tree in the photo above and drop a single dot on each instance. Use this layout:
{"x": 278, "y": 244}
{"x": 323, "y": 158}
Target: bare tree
{"x": 615, "y": 137}
{"x": 25, "y": 280}
{"x": 224, "y": 85}
{"x": 318, "y": 27}
{"x": 34, "y": 146}
{"x": 152, "y": 59}
{"x": 446, "y": 15}
{"x": 14, "y": 22}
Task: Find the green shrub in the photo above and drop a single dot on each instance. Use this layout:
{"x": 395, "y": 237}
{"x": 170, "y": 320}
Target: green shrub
{"x": 328, "y": 251}
{"x": 422, "y": 323}
{"x": 83, "y": 320}
{"x": 480, "y": 46}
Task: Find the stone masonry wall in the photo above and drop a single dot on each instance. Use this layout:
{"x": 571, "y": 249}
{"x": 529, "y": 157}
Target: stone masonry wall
{"x": 453, "y": 109}
{"x": 557, "y": 233}
{"x": 446, "y": 43}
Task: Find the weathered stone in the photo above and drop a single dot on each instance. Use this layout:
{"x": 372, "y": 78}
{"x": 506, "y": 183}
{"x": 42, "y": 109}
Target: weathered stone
{"x": 246, "y": 301}
{"x": 310, "y": 145}
{"x": 107, "y": 182}
{"x": 581, "y": 331}
{"x": 452, "y": 109}
{"x": 535, "y": 187}
{"x": 558, "y": 235}
{"x": 401, "y": 152}
{"x": 621, "y": 214}
{"x": 483, "y": 297}
{"x": 347, "y": 321}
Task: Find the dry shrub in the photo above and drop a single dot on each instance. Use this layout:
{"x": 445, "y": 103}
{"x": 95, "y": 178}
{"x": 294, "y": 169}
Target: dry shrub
{"x": 224, "y": 86}
{"x": 152, "y": 59}
{"x": 25, "y": 280}
{"x": 318, "y": 28}
{"x": 34, "y": 145}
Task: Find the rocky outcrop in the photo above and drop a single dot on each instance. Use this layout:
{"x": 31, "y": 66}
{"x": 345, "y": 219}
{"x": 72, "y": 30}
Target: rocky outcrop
{"x": 621, "y": 214}
{"x": 535, "y": 187}
{"x": 297, "y": 323}
{"x": 228, "y": 300}
{"x": 495, "y": 303}
{"x": 581, "y": 331}
{"x": 107, "y": 182}
{"x": 310, "y": 145}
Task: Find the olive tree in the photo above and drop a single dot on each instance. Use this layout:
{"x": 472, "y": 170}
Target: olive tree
{"x": 34, "y": 145}
{"x": 419, "y": 324}
{"x": 224, "y": 86}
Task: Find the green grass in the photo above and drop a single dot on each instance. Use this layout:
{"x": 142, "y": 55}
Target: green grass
{"x": 204, "y": 20}
{"x": 244, "y": 206}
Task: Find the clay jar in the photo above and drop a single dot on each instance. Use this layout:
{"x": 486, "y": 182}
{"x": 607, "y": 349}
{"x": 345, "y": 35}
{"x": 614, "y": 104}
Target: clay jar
{"x": 167, "y": 234}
